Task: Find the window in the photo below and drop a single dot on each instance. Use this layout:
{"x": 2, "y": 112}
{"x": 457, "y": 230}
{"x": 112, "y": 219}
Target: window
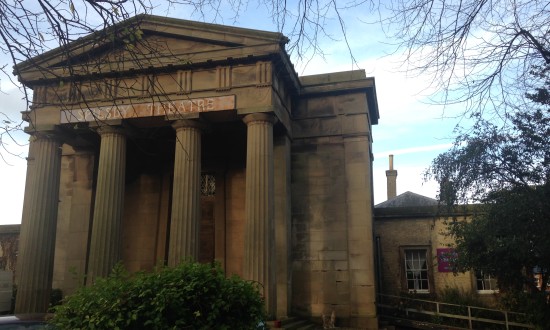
{"x": 416, "y": 270}
{"x": 485, "y": 283}
{"x": 208, "y": 184}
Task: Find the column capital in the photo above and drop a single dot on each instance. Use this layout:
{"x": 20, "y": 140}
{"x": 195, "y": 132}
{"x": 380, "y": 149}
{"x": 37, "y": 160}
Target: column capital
{"x": 260, "y": 117}
{"x": 51, "y": 134}
{"x": 188, "y": 123}
{"x": 110, "y": 129}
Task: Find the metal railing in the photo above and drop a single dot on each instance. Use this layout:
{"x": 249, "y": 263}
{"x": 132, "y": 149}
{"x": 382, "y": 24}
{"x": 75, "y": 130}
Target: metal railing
{"x": 453, "y": 315}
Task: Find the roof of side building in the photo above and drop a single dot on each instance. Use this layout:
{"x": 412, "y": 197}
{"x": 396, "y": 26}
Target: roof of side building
{"x": 408, "y": 199}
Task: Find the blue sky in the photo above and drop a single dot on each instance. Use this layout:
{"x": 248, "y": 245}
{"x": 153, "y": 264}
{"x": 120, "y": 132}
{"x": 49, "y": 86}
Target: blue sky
{"x": 410, "y": 127}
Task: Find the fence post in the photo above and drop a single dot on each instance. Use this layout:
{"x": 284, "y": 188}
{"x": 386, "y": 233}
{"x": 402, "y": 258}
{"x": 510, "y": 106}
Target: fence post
{"x": 506, "y": 319}
{"x": 469, "y": 318}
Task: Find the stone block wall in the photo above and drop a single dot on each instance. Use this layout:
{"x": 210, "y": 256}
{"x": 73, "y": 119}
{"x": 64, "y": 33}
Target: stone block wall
{"x": 319, "y": 229}
{"x": 332, "y": 241}
{"x": 73, "y": 221}
{"x": 235, "y": 187}
{"x": 145, "y": 217}
{"x": 409, "y": 231}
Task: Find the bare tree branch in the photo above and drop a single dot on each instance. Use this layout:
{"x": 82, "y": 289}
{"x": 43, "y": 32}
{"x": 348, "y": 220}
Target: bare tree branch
{"x": 477, "y": 52}
{"x": 31, "y": 28}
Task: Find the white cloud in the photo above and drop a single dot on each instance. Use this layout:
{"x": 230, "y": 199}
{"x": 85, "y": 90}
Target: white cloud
{"x": 435, "y": 147}
{"x": 13, "y": 166}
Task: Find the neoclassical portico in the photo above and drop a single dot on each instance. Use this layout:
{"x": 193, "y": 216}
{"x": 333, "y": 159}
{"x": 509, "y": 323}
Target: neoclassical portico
{"x": 108, "y": 210}
{"x": 214, "y": 150}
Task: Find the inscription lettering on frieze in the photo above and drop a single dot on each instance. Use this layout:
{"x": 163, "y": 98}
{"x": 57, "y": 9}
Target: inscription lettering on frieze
{"x": 152, "y": 109}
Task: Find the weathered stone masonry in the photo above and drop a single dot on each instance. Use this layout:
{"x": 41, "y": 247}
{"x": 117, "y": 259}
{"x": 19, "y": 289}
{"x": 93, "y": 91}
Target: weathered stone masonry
{"x": 208, "y": 148}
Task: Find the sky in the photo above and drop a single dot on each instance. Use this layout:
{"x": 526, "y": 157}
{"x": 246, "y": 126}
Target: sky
{"x": 410, "y": 127}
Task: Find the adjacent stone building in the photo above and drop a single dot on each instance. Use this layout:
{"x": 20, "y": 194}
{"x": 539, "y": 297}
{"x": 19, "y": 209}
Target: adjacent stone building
{"x": 414, "y": 254}
{"x": 9, "y": 246}
{"x": 159, "y": 140}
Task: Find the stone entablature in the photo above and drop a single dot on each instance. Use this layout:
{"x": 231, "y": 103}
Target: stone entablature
{"x": 156, "y": 86}
{"x": 149, "y": 59}
{"x": 172, "y": 109}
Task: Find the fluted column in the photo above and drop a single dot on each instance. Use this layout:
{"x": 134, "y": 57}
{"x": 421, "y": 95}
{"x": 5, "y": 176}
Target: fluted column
{"x": 38, "y": 225}
{"x": 105, "y": 246}
{"x": 259, "y": 257}
{"x": 184, "y": 225}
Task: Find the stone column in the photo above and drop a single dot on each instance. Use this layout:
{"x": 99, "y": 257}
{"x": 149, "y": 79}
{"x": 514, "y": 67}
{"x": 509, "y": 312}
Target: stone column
{"x": 105, "y": 244}
{"x": 259, "y": 257}
{"x": 38, "y": 225}
{"x": 184, "y": 225}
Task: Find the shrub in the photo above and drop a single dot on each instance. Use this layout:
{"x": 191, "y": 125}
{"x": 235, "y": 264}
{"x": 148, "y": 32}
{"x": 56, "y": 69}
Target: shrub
{"x": 453, "y": 295}
{"x": 189, "y": 296}
{"x": 535, "y": 305}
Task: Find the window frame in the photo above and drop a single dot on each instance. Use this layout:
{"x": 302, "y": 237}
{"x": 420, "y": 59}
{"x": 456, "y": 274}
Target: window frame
{"x": 491, "y": 280}
{"x": 404, "y": 272}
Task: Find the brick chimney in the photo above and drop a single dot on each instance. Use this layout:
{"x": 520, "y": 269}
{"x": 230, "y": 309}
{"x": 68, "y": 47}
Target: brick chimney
{"x": 391, "y": 176}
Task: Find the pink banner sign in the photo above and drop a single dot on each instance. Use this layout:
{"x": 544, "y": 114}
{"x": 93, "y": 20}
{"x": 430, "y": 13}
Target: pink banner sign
{"x": 446, "y": 259}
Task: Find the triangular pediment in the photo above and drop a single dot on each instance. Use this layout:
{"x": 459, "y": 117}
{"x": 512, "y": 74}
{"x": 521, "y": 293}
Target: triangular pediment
{"x": 147, "y": 41}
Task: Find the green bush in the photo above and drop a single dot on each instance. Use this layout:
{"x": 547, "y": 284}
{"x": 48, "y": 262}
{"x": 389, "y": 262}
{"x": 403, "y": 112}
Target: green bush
{"x": 189, "y": 296}
{"x": 535, "y": 305}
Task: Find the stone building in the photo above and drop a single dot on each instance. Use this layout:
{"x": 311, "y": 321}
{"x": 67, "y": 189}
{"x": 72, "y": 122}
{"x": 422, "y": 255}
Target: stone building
{"x": 160, "y": 139}
{"x": 413, "y": 253}
{"x": 9, "y": 241}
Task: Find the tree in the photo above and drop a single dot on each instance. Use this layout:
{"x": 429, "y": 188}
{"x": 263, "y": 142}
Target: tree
{"x": 478, "y": 52}
{"x": 487, "y": 56}
{"x": 508, "y": 172}
{"x": 509, "y": 241}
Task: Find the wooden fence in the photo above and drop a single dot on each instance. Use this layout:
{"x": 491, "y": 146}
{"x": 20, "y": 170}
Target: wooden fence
{"x": 450, "y": 315}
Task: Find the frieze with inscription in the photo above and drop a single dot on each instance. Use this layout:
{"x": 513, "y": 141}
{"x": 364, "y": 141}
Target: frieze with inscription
{"x": 151, "y": 109}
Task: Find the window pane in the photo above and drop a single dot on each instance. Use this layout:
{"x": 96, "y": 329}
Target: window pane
{"x": 416, "y": 270}
{"x": 208, "y": 185}
{"x": 485, "y": 282}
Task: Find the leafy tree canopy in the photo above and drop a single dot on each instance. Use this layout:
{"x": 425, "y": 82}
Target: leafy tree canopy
{"x": 507, "y": 171}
